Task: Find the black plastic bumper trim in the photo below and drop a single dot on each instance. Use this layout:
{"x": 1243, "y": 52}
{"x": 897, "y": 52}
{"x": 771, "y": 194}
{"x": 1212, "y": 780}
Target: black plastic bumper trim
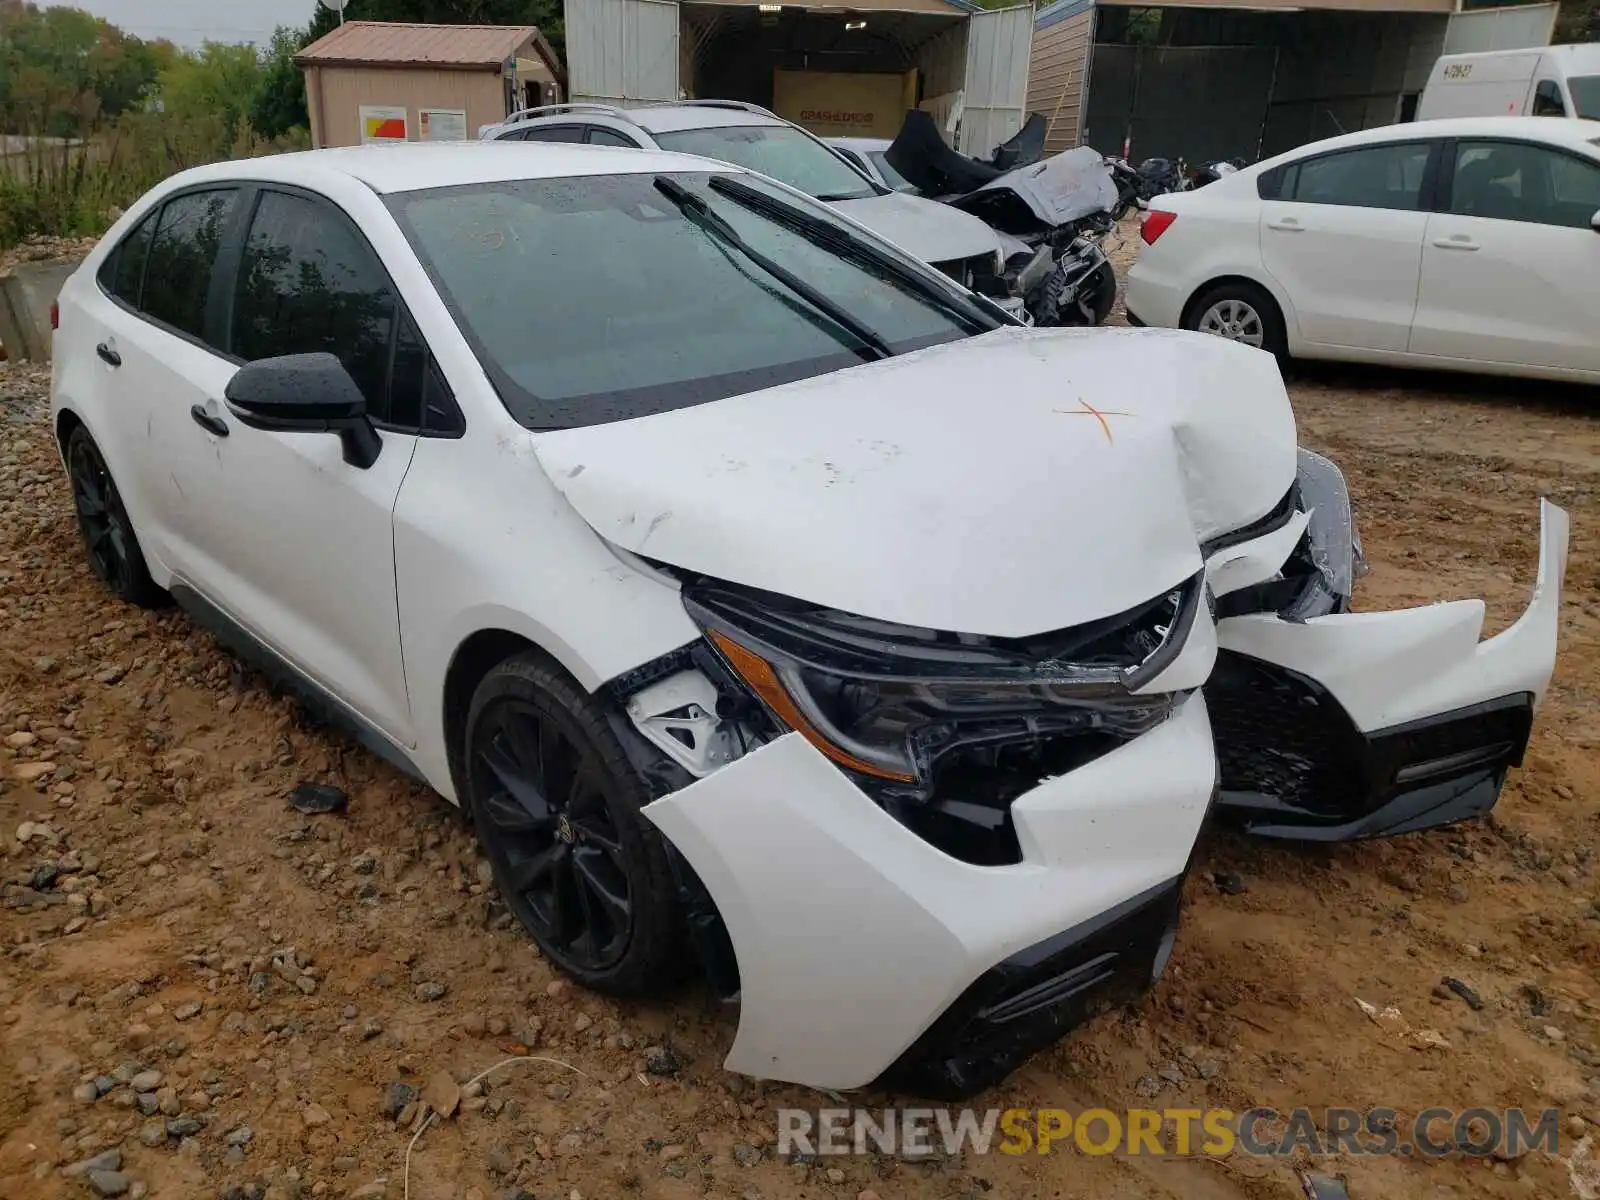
{"x": 1294, "y": 764}
{"x": 1039, "y": 994}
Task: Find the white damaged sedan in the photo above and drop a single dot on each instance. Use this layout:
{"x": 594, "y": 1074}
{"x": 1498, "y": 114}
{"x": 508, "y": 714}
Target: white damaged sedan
{"x": 773, "y": 604}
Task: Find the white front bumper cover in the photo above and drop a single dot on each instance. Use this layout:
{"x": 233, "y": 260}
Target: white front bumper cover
{"x": 865, "y": 954}
{"x": 1356, "y": 724}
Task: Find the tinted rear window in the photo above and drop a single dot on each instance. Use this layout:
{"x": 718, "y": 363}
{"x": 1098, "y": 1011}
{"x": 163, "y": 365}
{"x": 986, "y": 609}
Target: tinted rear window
{"x": 123, "y": 272}
{"x": 182, "y": 256}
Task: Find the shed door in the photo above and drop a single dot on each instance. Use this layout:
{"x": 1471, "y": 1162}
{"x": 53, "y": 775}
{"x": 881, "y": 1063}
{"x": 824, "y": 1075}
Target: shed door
{"x": 996, "y": 89}
{"x": 1522, "y": 27}
{"x": 620, "y": 51}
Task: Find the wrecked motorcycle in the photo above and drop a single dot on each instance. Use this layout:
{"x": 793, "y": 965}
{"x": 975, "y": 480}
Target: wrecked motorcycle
{"x": 1050, "y": 213}
{"x": 1129, "y": 187}
{"x": 1212, "y": 171}
{"x": 1161, "y": 177}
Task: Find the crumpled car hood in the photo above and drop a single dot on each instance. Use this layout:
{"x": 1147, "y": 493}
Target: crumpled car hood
{"x": 1063, "y": 188}
{"x": 1009, "y": 484}
{"x": 925, "y": 229}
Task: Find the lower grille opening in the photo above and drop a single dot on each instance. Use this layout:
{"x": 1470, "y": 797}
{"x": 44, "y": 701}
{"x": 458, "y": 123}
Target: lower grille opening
{"x": 1280, "y": 735}
{"x": 1290, "y": 756}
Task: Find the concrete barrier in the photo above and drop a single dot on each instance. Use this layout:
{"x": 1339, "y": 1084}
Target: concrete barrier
{"x": 26, "y": 295}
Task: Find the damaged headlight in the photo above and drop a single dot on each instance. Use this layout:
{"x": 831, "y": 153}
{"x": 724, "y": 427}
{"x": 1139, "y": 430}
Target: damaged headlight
{"x": 1332, "y": 543}
{"x": 891, "y": 701}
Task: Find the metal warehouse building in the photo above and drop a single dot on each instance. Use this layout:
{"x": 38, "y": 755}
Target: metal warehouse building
{"x": 851, "y": 68}
{"x": 1204, "y": 81}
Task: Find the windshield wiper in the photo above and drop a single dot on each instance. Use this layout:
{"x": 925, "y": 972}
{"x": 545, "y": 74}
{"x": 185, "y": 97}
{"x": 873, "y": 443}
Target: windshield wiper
{"x": 842, "y": 241}
{"x": 700, "y": 214}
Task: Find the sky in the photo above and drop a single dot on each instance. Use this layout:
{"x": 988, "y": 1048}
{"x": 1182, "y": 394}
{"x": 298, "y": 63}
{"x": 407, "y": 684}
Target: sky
{"x": 190, "y": 22}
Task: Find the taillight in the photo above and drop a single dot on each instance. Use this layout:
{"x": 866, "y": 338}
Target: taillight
{"x": 55, "y": 314}
{"x": 1155, "y": 224}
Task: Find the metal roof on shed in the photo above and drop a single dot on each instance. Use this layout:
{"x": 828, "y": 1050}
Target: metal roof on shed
{"x": 394, "y": 44}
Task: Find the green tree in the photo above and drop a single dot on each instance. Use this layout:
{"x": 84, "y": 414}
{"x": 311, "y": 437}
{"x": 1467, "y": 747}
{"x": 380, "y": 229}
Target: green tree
{"x": 219, "y": 80}
{"x": 1579, "y": 22}
{"x": 279, "y": 103}
{"x": 61, "y": 69}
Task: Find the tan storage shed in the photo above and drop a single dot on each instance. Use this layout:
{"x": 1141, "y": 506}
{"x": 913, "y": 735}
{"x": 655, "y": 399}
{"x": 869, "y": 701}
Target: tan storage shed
{"x": 386, "y": 81}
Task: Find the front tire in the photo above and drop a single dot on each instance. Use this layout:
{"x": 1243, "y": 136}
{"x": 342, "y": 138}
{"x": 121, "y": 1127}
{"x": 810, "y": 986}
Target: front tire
{"x": 556, "y": 806}
{"x": 1240, "y": 312}
{"x": 109, "y": 541}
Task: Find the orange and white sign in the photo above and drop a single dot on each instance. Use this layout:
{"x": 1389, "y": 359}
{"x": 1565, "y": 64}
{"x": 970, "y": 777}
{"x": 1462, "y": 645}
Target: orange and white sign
{"x": 383, "y": 123}
{"x": 844, "y": 104}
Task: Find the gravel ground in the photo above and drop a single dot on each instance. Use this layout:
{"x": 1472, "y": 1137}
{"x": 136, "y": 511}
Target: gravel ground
{"x": 205, "y": 994}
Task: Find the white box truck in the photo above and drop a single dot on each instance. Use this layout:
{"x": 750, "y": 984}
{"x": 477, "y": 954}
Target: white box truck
{"x": 1543, "y": 81}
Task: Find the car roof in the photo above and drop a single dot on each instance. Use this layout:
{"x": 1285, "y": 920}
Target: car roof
{"x": 669, "y": 118}
{"x": 859, "y": 144}
{"x": 1561, "y": 131}
{"x": 414, "y": 167}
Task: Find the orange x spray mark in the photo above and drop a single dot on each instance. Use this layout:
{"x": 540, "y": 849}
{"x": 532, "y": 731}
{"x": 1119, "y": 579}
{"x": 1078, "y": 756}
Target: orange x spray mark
{"x": 1085, "y": 409}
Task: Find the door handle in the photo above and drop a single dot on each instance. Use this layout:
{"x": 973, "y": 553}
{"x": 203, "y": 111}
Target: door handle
{"x": 207, "y": 421}
{"x": 106, "y": 351}
{"x": 1459, "y": 242}
{"x": 1287, "y": 225}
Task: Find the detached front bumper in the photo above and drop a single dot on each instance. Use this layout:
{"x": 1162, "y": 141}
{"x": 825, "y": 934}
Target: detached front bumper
{"x": 866, "y": 955}
{"x": 1354, "y": 725}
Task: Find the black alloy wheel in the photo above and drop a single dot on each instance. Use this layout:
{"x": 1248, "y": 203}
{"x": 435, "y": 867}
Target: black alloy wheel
{"x": 556, "y": 808}
{"x": 108, "y": 536}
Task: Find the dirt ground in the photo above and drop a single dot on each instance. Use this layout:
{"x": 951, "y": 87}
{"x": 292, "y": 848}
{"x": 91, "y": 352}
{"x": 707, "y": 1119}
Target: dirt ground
{"x": 164, "y": 912}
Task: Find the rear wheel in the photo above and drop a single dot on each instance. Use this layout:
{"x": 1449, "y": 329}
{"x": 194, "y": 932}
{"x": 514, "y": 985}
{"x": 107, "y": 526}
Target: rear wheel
{"x": 1240, "y": 312}
{"x": 108, "y": 537}
{"x": 556, "y": 805}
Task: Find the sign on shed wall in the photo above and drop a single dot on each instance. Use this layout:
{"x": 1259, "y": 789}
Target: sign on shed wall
{"x": 383, "y": 123}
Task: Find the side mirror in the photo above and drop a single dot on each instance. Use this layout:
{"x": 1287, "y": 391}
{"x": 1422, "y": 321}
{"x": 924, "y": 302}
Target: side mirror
{"x": 305, "y": 393}
{"x": 1594, "y": 222}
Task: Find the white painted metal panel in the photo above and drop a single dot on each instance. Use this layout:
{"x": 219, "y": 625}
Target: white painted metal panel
{"x": 1517, "y": 28}
{"x": 996, "y": 88}
{"x": 621, "y": 51}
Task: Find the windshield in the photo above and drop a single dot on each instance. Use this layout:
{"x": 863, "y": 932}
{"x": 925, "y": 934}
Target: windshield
{"x": 893, "y": 178}
{"x": 786, "y": 154}
{"x": 598, "y": 299}
{"x": 1585, "y": 91}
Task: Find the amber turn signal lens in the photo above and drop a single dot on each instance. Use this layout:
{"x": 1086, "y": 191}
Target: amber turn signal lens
{"x": 758, "y": 673}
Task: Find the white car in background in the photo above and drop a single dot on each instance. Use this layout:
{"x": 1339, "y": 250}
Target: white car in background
{"x": 957, "y": 243}
{"x": 1469, "y": 244}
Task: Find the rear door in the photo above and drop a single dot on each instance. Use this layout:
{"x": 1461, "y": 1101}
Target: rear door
{"x": 1511, "y": 266}
{"x": 154, "y": 346}
{"x": 1342, "y": 234}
